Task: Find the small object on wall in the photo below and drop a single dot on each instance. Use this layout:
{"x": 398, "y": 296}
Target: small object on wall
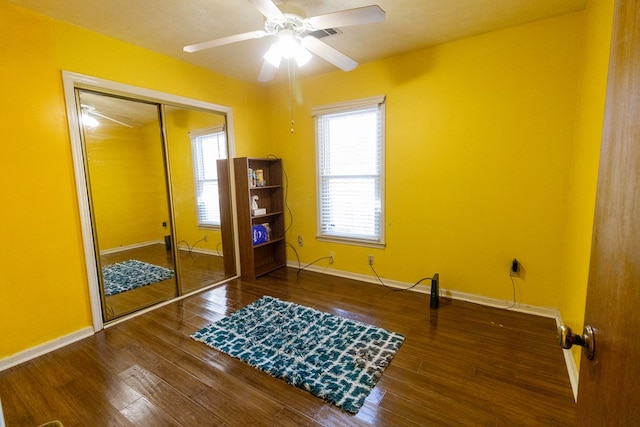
{"x": 514, "y": 271}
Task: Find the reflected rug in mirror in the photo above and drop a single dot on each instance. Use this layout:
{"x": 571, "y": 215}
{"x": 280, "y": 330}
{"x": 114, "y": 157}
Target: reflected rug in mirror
{"x": 336, "y": 359}
{"x": 132, "y": 274}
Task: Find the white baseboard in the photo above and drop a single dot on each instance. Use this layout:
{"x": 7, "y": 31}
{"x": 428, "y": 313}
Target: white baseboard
{"x": 133, "y": 246}
{"x": 2, "y": 422}
{"x": 552, "y": 313}
{"x": 200, "y": 250}
{"x": 47, "y": 347}
{"x": 181, "y": 247}
{"x": 572, "y": 369}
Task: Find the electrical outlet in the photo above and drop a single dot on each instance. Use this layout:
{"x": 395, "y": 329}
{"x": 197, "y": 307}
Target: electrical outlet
{"x": 300, "y": 241}
{"x": 514, "y": 270}
{"x": 370, "y": 259}
{"x": 331, "y": 259}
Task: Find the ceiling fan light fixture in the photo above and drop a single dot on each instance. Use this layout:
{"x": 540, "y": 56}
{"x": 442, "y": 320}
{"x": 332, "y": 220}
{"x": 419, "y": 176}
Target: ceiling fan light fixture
{"x": 89, "y": 121}
{"x": 273, "y": 55}
{"x": 302, "y": 56}
{"x": 287, "y": 46}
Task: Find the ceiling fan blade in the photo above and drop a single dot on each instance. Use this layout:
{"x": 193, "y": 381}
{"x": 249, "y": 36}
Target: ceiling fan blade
{"x": 95, "y": 113}
{"x": 225, "y": 40}
{"x": 328, "y": 53}
{"x": 357, "y": 16}
{"x": 268, "y": 72}
{"x": 268, "y": 9}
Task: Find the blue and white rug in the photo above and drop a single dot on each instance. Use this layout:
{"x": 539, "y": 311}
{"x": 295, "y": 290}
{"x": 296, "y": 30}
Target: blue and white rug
{"x": 336, "y": 359}
{"x": 132, "y": 274}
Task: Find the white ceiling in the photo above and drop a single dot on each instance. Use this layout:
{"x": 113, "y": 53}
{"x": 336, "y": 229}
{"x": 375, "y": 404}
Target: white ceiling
{"x": 166, "y": 26}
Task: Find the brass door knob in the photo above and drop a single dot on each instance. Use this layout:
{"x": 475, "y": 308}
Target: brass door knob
{"x": 587, "y": 340}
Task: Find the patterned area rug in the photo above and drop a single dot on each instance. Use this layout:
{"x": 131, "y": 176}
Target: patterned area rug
{"x": 334, "y": 358}
{"x": 132, "y": 274}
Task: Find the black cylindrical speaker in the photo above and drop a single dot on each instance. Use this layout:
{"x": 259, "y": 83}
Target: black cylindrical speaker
{"x": 435, "y": 291}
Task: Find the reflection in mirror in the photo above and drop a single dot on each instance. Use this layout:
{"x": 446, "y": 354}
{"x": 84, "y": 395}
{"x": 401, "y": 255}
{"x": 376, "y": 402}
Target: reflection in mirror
{"x": 126, "y": 174}
{"x": 197, "y": 146}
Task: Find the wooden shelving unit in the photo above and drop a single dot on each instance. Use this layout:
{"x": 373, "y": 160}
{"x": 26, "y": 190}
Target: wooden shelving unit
{"x": 262, "y": 258}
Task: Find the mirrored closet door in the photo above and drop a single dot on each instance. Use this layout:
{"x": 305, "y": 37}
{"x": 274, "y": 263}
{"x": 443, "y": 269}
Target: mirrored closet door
{"x": 158, "y": 186}
{"x": 129, "y": 201}
{"x": 197, "y": 147}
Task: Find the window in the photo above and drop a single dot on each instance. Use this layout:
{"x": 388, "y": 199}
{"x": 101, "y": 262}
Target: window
{"x": 208, "y": 145}
{"x": 350, "y": 166}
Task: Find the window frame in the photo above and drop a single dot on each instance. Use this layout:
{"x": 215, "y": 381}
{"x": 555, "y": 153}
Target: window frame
{"x": 353, "y": 106}
{"x": 196, "y": 149}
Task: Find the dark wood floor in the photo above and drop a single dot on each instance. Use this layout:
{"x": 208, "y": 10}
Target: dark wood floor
{"x": 462, "y": 364}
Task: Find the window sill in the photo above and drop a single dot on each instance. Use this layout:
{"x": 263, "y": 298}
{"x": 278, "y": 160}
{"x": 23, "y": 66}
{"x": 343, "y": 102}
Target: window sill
{"x": 209, "y": 227}
{"x": 353, "y": 242}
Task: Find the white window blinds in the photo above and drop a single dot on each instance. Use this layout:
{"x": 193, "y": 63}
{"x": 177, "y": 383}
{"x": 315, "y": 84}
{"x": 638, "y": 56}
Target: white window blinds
{"x": 350, "y": 165}
{"x": 208, "y": 146}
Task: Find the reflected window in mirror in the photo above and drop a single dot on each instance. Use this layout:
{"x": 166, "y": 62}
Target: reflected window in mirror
{"x": 208, "y": 146}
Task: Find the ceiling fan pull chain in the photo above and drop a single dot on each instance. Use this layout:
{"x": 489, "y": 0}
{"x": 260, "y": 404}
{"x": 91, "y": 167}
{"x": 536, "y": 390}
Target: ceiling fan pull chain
{"x": 291, "y": 71}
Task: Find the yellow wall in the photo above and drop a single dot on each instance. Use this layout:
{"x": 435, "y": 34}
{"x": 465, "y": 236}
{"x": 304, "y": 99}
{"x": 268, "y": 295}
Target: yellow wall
{"x": 43, "y": 286}
{"x": 127, "y": 180}
{"x": 478, "y": 150}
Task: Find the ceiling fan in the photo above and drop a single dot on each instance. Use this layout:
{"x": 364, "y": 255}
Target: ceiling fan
{"x": 88, "y": 119}
{"x": 294, "y": 39}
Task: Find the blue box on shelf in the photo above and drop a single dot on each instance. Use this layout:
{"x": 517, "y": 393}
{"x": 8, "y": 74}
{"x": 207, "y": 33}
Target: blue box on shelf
{"x": 259, "y": 234}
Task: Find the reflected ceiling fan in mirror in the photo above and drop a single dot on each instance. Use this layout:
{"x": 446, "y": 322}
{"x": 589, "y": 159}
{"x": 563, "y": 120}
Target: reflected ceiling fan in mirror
{"x": 88, "y": 119}
{"x": 294, "y": 36}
